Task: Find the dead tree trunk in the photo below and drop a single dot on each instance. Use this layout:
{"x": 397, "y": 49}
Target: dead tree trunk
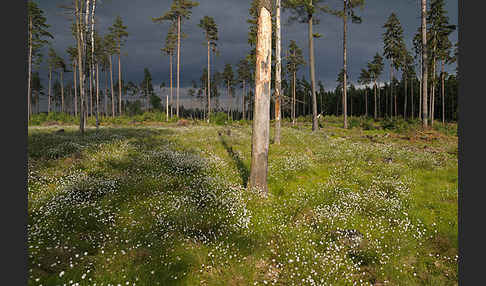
{"x": 261, "y": 110}
{"x": 278, "y": 76}
{"x": 424, "y": 64}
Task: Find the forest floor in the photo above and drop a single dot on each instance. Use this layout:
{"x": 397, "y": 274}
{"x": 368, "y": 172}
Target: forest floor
{"x": 164, "y": 204}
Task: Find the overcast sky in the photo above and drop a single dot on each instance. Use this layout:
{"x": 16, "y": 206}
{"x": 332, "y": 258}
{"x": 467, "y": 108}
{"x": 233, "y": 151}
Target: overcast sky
{"x": 142, "y": 48}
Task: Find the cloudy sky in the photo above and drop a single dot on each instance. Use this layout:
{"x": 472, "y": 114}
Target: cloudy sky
{"x": 142, "y": 48}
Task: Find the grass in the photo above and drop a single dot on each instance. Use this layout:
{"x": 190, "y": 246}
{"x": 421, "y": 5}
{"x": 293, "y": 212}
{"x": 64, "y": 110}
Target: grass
{"x": 167, "y": 205}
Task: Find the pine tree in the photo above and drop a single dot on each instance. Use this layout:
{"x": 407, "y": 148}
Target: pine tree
{"x": 244, "y": 76}
{"x": 72, "y": 53}
{"x": 439, "y": 32}
{"x": 375, "y": 68}
{"x": 295, "y": 59}
{"x": 37, "y": 89}
{"x": 180, "y": 10}
{"x": 211, "y": 32}
{"x": 393, "y": 49}
{"x": 365, "y": 79}
{"x": 119, "y": 32}
{"x": 52, "y": 62}
{"x": 305, "y": 11}
{"x": 348, "y": 6}
{"x": 229, "y": 79}
{"x": 110, "y": 50}
{"x": 61, "y": 65}
{"x": 147, "y": 87}
{"x": 38, "y": 34}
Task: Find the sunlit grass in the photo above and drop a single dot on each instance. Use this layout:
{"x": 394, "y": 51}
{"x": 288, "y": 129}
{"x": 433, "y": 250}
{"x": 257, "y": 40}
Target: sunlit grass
{"x": 168, "y": 205}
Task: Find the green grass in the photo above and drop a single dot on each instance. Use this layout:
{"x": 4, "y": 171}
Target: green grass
{"x": 168, "y": 205}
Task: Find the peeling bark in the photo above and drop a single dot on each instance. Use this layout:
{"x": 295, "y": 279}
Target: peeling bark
{"x": 261, "y": 110}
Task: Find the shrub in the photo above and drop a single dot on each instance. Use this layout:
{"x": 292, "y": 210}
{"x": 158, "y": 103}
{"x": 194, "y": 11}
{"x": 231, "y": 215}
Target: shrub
{"x": 219, "y": 118}
{"x": 354, "y": 122}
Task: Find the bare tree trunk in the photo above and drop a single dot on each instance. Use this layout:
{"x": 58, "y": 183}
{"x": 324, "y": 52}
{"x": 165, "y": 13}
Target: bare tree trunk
{"x": 376, "y": 113}
{"x": 171, "y": 76}
{"x": 243, "y": 100}
{"x": 315, "y": 126}
{"x": 405, "y": 104}
{"x": 85, "y": 48}
{"x": 411, "y": 96}
{"x": 167, "y": 95}
{"x": 442, "y": 90}
{"x": 294, "y": 99}
{"x": 112, "y": 91}
{"x": 97, "y": 95}
{"x": 75, "y": 89}
{"x": 278, "y": 75}
{"x": 49, "y": 94}
{"x": 420, "y": 100}
{"x": 90, "y": 90}
{"x": 106, "y": 92}
{"x": 424, "y": 63}
{"x": 261, "y": 113}
{"x": 379, "y": 103}
{"x": 366, "y": 101}
{"x": 345, "y": 104}
{"x": 209, "y": 83}
{"x": 80, "y": 44}
{"x": 178, "y": 61}
{"x": 432, "y": 95}
{"x": 119, "y": 81}
{"x": 29, "y": 80}
{"x": 93, "y": 61}
{"x": 62, "y": 91}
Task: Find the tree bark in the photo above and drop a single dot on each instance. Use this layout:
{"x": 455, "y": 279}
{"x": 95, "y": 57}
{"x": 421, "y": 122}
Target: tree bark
{"x": 261, "y": 112}
{"x": 315, "y": 126}
{"x": 424, "y": 64}
{"x": 278, "y": 75}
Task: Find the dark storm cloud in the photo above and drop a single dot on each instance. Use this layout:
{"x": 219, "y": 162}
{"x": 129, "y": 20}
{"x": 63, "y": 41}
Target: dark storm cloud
{"x": 142, "y": 48}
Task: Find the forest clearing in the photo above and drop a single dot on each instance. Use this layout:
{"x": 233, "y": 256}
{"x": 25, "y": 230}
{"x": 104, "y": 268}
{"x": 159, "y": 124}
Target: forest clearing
{"x": 260, "y": 142}
{"x": 161, "y": 204}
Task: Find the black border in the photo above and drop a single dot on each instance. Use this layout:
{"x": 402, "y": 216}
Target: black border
{"x": 14, "y": 143}
{"x": 471, "y": 103}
